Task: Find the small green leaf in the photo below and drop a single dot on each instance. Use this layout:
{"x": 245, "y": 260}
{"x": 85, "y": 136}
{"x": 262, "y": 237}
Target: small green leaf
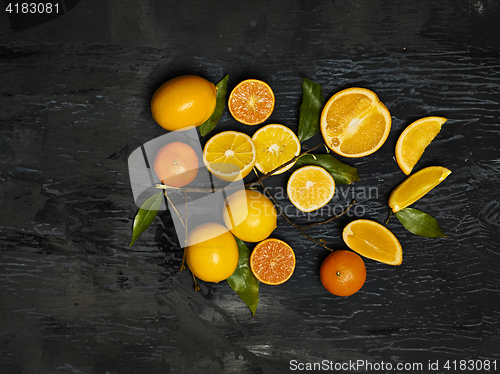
{"x": 243, "y": 282}
{"x": 146, "y": 214}
{"x": 419, "y": 223}
{"x": 342, "y": 173}
{"x": 210, "y": 123}
{"x": 310, "y": 109}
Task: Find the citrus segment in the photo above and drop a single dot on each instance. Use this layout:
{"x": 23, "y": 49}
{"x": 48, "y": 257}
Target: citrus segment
{"x": 272, "y": 261}
{"x": 250, "y": 215}
{"x": 176, "y": 164}
{"x": 251, "y": 102}
{"x": 355, "y": 123}
{"x": 212, "y": 253}
{"x": 416, "y": 186}
{"x": 414, "y": 139}
{"x": 310, "y": 187}
{"x": 275, "y": 145}
{"x": 183, "y": 102}
{"x": 229, "y": 155}
{"x": 343, "y": 273}
{"x": 374, "y": 241}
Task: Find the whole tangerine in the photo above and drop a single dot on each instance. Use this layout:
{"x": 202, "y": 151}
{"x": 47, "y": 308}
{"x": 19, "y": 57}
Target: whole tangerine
{"x": 176, "y": 164}
{"x": 343, "y": 273}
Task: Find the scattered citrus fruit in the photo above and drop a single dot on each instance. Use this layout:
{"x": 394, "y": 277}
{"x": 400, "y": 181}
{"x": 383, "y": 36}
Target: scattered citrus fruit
{"x": 374, "y": 241}
{"x": 275, "y": 145}
{"x": 212, "y": 253}
{"x": 310, "y": 187}
{"x": 183, "y": 102}
{"x": 272, "y": 261}
{"x": 416, "y": 186}
{"x": 414, "y": 139}
{"x": 343, "y": 273}
{"x": 229, "y": 155}
{"x": 355, "y": 123}
{"x": 250, "y": 215}
{"x": 251, "y": 102}
{"x": 176, "y": 164}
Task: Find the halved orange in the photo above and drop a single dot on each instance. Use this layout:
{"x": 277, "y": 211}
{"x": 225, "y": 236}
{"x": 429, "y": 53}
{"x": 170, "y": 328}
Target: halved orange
{"x": 310, "y": 187}
{"x": 272, "y": 261}
{"x": 355, "y": 123}
{"x": 229, "y": 155}
{"x": 414, "y": 139}
{"x": 416, "y": 186}
{"x": 275, "y": 145}
{"x": 251, "y": 102}
{"x": 374, "y": 241}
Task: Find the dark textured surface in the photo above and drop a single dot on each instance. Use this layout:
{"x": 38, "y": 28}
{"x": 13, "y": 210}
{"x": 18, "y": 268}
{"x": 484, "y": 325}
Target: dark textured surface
{"x": 75, "y": 298}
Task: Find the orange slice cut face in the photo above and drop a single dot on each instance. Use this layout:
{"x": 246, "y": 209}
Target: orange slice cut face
{"x": 414, "y": 139}
{"x": 251, "y": 102}
{"x": 355, "y": 123}
{"x": 272, "y": 261}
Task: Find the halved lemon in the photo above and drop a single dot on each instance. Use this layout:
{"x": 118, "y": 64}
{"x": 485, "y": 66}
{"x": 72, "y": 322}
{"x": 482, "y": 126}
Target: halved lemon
{"x": 414, "y": 139}
{"x": 374, "y": 241}
{"x": 251, "y": 102}
{"x": 355, "y": 123}
{"x": 416, "y": 186}
{"x": 275, "y": 145}
{"x": 310, "y": 187}
{"x": 229, "y": 155}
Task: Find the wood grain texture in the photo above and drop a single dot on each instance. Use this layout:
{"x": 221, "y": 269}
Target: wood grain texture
{"x": 75, "y": 298}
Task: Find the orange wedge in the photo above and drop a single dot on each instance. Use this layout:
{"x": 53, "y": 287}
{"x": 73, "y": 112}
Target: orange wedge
{"x": 416, "y": 186}
{"x": 275, "y": 145}
{"x": 355, "y": 123}
{"x": 414, "y": 139}
{"x": 272, "y": 261}
{"x": 251, "y": 102}
{"x": 310, "y": 187}
{"x": 229, "y": 155}
{"x": 374, "y": 241}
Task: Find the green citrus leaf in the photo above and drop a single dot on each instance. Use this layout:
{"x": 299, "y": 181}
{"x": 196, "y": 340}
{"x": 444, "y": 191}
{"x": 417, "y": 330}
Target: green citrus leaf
{"x": 146, "y": 214}
{"x": 243, "y": 282}
{"x": 210, "y": 123}
{"x": 310, "y": 109}
{"x": 342, "y": 173}
{"x": 419, "y": 223}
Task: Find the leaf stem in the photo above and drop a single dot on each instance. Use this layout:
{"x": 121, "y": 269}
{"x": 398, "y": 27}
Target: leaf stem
{"x": 331, "y": 218}
{"x": 321, "y": 242}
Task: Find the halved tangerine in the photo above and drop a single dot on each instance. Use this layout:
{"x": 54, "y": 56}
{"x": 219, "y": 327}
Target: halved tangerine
{"x": 251, "y": 102}
{"x": 272, "y": 261}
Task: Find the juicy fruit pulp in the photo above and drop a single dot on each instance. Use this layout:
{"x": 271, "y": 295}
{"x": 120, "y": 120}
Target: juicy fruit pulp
{"x": 212, "y": 254}
{"x": 229, "y": 155}
{"x": 183, "y": 102}
{"x": 250, "y": 215}
{"x": 355, "y": 123}
{"x": 176, "y": 164}
{"x": 310, "y": 188}
{"x": 414, "y": 139}
{"x": 374, "y": 241}
{"x": 251, "y": 102}
{"x": 274, "y": 146}
{"x": 343, "y": 273}
{"x": 272, "y": 261}
{"x": 416, "y": 186}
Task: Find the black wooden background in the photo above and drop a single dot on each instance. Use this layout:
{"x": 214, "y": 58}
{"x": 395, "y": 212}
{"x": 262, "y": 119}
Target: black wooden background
{"x": 74, "y": 104}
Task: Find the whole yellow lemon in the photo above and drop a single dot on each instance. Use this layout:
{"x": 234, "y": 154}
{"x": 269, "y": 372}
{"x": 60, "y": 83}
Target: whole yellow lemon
{"x": 250, "y": 215}
{"x": 183, "y": 102}
{"x": 212, "y": 253}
